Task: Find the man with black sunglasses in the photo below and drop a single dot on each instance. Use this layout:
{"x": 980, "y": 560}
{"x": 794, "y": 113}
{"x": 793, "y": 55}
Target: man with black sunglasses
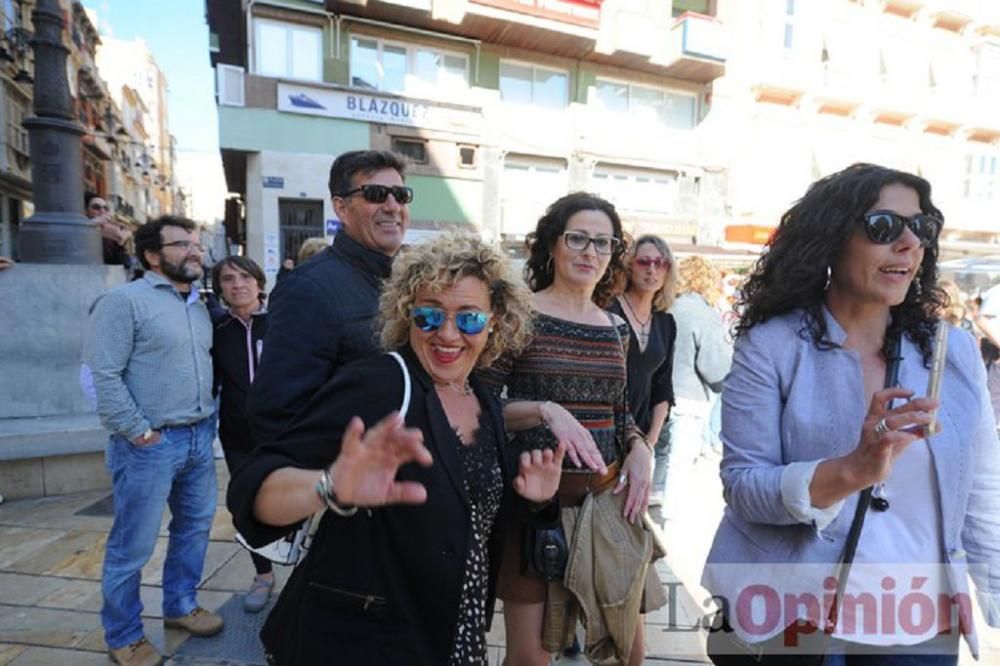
{"x": 322, "y": 313}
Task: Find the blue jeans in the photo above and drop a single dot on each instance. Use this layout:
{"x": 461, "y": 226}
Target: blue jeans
{"x": 179, "y": 472}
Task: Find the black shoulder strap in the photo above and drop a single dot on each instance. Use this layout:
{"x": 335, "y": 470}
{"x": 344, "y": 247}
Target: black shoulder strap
{"x": 851, "y": 544}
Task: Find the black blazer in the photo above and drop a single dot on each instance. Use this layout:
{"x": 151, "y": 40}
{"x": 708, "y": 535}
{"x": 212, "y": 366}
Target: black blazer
{"x": 382, "y": 586}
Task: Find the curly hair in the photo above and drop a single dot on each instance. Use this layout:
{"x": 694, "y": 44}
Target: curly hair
{"x": 538, "y": 270}
{"x": 792, "y": 271}
{"x": 148, "y": 236}
{"x": 698, "y": 275}
{"x": 439, "y": 264}
{"x": 664, "y": 296}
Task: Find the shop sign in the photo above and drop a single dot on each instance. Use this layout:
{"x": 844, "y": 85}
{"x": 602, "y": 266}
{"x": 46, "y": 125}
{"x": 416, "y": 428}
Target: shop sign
{"x": 376, "y": 108}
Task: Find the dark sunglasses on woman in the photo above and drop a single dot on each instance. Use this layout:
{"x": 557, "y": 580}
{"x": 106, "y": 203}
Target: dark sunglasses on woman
{"x": 379, "y": 193}
{"x": 884, "y": 227}
{"x": 468, "y": 322}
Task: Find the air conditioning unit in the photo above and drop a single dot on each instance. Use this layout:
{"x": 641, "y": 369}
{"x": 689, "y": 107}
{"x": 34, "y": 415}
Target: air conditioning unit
{"x": 229, "y": 85}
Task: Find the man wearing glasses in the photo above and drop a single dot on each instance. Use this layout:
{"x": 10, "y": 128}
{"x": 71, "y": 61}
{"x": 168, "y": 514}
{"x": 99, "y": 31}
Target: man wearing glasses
{"x": 114, "y": 236}
{"x": 148, "y": 349}
{"x": 321, "y": 314}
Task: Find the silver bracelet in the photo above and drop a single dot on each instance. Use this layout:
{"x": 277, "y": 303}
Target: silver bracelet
{"x": 324, "y": 488}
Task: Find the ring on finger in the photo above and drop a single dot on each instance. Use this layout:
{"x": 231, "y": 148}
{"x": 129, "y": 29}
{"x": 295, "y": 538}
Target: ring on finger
{"x": 623, "y": 479}
{"x": 882, "y": 427}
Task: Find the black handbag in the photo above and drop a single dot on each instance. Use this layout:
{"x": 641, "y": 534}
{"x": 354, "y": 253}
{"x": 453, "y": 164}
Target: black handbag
{"x": 725, "y": 648}
{"x": 544, "y": 552}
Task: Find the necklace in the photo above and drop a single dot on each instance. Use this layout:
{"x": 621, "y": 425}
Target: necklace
{"x": 462, "y": 389}
{"x": 643, "y": 325}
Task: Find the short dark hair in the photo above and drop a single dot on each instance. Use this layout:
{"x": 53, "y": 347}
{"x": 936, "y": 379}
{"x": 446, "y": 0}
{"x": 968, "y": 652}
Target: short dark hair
{"x": 90, "y": 196}
{"x": 147, "y": 237}
{"x": 792, "y": 272}
{"x": 362, "y": 161}
{"x": 538, "y": 271}
{"x": 244, "y": 264}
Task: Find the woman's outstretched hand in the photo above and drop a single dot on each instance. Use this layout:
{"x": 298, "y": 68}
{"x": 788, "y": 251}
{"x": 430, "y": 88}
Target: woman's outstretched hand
{"x": 364, "y": 474}
{"x": 538, "y": 474}
{"x": 579, "y": 443}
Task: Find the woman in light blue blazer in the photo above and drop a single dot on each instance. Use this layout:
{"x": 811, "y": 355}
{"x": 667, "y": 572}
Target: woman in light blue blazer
{"x": 807, "y": 424}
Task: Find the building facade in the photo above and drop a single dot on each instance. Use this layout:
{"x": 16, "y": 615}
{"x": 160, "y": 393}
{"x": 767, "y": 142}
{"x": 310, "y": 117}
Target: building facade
{"x": 500, "y": 106}
{"x": 15, "y": 105}
{"x": 147, "y": 183}
{"x": 700, "y": 119}
{"x": 813, "y": 86}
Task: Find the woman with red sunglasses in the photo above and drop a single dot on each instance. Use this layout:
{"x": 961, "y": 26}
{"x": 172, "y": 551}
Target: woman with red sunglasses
{"x": 649, "y": 292}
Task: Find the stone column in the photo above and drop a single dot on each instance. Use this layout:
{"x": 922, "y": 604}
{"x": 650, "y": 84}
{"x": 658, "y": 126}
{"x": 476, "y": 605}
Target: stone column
{"x": 58, "y": 232}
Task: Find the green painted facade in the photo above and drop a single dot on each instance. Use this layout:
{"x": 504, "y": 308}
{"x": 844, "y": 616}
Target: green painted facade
{"x": 437, "y": 199}
{"x": 243, "y": 129}
{"x": 446, "y": 199}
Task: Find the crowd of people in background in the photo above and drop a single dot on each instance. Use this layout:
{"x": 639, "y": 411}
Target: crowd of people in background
{"x": 455, "y": 434}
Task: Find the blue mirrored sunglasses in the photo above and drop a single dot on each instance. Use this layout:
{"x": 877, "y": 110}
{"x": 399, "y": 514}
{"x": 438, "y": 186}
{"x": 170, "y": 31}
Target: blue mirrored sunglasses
{"x": 468, "y": 322}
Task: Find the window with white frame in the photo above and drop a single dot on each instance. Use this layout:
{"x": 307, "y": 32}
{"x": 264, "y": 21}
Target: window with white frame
{"x": 405, "y": 68}
{"x": 982, "y": 176}
{"x": 534, "y": 85}
{"x": 528, "y": 185}
{"x": 288, "y": 50}
{"x": 636, "y": 190}
{"x": 666, "y": 107}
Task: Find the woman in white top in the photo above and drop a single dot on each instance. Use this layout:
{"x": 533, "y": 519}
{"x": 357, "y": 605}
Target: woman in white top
{"x": 807, "y": 424}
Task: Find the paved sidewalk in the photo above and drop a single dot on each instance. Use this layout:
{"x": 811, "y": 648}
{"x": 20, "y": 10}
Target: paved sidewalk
{"x": 51, "y": 550}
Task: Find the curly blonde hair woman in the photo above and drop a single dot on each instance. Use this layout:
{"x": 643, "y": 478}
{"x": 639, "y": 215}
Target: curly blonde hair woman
{"x": 698, "y": 275}
{"x": 417, "y": 441}
{"x": 440, "y": 265}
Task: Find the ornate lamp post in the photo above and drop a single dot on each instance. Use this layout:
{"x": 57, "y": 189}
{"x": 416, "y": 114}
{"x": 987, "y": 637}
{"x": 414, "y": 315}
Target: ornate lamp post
{"x": 58, "y": 232}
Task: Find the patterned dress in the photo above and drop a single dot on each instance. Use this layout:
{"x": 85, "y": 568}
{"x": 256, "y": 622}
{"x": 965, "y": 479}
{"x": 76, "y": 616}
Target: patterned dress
{"x": 483, "y": 483}
{"x": 579, "y": 366}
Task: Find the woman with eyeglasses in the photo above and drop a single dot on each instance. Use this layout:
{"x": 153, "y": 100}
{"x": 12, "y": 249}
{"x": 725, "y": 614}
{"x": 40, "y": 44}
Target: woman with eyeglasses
{"x": 649, "y": 293}
{"x": 568, "y": 388}
{"x": 404, "y": 564}
{"x": 808, "y": 423}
